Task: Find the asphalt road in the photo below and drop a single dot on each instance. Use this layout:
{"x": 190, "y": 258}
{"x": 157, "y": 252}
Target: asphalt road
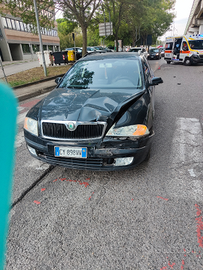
{"x": 146, "y": 218}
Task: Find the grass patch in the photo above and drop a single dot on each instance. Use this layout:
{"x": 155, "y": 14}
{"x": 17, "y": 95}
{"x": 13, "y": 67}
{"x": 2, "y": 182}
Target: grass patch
{"x": 35, "y": 74}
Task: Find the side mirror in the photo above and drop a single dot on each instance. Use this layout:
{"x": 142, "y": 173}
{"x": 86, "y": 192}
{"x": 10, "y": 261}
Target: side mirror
{"x": 156, "y": 81}
{"x": 57, "y": 80}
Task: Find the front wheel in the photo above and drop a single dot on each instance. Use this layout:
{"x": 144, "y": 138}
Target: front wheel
{"x": 187, "y": 62}
{"x": 168, "y": 62}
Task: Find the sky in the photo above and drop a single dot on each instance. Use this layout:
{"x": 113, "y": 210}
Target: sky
{"x": 182, "y": 11}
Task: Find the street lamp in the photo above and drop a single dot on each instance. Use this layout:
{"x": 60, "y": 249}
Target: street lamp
{"x": 40, "y": 38}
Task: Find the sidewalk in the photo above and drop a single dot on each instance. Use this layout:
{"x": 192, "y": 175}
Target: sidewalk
{"x": 29, "y": 91}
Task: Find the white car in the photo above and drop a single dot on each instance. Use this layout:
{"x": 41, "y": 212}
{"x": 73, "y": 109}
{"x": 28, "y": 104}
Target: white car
{"x": 139, "y": 50}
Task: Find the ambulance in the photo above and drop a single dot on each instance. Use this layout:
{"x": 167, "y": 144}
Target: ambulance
{"x": 186, "y": 49}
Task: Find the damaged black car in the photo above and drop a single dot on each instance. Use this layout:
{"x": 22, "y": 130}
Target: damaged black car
{"x": 99, "y": 117}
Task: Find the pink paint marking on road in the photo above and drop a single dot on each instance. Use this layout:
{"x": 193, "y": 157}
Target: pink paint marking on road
{"x": 171, "y": 265}
{"x": 199, "y": 226}
{"x": 37, "y": 202}
{"x": 75, "y": 181}
{"x": 182, "y": 267}
{"x": 162, "y": 198}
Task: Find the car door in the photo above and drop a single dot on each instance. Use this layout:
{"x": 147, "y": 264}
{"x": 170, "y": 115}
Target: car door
{"x": 148, "y": 75}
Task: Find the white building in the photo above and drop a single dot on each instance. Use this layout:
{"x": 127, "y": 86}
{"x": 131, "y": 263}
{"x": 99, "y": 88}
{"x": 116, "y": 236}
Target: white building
{"x": 195, "y": 20}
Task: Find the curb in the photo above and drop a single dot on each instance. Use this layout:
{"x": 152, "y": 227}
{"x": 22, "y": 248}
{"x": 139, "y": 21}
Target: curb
{"x": 40, "y": 81}
{"x": 36, "y": 93}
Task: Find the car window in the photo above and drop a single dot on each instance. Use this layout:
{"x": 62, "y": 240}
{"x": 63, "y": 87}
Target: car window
{"x": 108, "y": 73}
{"x": 169, "y": 46}
{"x": 196, "y": 44}
{"x": 154, "y": 50}
{"x": 147, "y": 70}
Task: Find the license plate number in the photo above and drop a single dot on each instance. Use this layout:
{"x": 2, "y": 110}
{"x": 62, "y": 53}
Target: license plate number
{"x": 72, "y": 152}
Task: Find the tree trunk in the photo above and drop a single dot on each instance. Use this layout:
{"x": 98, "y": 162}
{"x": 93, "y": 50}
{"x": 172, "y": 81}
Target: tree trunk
{"x": 84, "y": 39}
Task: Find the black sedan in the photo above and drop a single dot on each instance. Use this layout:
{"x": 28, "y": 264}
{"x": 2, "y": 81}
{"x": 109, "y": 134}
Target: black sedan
{"x": 99, "y": 117}
{"x": 154, "y": 53}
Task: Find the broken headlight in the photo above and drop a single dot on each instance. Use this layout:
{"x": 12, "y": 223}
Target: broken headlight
{"x": 128, "y": 131}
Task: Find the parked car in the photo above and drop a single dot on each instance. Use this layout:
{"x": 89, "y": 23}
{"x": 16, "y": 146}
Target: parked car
{"x": 162, "y": 52}
{"x": 91, "y": 49}
{"x": 78, "y": 51}
{"x": 99, "y": 117}
{"x": 139, "y": 50}
{"x": 98, "y": 48}
{"x": 154, "y": 53}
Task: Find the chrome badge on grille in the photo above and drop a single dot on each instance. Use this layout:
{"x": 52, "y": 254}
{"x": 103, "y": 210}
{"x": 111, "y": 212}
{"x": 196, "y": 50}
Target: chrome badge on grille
{"x": 71, "y": 126}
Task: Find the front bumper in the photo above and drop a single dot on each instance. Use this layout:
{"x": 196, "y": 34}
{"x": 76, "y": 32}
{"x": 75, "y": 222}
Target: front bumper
{"x": 197, "y": 59}
{"x": 100, "y": 156}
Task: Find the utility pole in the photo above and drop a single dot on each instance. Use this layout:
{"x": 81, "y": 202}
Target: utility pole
{"x": 40, "y": 38}
{"x": 3, "y": 69}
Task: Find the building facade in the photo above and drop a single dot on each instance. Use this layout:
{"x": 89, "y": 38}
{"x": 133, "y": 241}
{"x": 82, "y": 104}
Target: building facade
{"x": 195, "y": 21}
{"x": 17, "y": 42}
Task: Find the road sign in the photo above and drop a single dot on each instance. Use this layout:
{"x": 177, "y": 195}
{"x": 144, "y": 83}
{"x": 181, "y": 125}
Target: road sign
{"x": 106, "y": 29}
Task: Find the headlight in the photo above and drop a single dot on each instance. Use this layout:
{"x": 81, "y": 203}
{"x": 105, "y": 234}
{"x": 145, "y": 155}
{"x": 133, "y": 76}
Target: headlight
{"x": 31, "y": 125}
{"x": 128, "y": 131}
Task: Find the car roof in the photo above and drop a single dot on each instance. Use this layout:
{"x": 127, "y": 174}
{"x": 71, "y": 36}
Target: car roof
{"x": 109, "y": 55}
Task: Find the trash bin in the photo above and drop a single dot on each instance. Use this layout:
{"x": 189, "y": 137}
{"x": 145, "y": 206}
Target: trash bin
{"x": 59, "y": 57}
{"x": 48, "y": 61}
{"x": 71, "y": 56}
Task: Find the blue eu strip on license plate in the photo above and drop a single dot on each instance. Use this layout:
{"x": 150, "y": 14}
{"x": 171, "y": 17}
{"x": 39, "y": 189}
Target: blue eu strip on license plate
{"x": 72, "y": 152}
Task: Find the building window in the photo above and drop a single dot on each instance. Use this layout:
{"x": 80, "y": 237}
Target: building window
{"x": 44, "y": 47}
{"x": 50, "y": 48}
{"x": 35, "y": 48}
{"x": 26, "y": 48}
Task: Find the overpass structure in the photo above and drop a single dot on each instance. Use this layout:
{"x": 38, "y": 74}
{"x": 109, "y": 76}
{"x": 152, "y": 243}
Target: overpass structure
{"x": 195, "y": 21}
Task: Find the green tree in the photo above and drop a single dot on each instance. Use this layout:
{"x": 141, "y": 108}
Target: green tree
{"x": 25, "y": 11}
{"x": 81, "y": 11}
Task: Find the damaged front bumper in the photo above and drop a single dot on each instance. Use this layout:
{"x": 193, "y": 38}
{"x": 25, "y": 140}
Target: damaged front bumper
{"x": 108, "y": 155}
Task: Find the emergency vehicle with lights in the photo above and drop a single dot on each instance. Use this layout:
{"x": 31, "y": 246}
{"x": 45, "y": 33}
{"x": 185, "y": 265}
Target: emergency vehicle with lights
{"x": 186, "y": 49}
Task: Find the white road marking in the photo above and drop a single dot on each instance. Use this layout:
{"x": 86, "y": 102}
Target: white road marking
{"x": 20, "y": 108}
{"x": 21, "y": 118}
{"x": 191, "y": 171}
{"x": 37, "y": 165}
{"x": 187, "y": 159}
{"x": 19, "y": 139}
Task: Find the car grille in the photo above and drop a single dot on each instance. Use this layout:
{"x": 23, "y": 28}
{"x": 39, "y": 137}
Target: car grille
{"x": 90, "y": 163}
{"x": 201, "y": 56}
{"x": 59, "y": 131}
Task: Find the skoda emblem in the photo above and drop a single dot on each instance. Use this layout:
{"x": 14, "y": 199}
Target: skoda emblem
{"x": 71, "y": 126}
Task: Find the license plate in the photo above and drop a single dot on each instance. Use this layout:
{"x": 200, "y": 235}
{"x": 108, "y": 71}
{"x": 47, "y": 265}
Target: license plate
{"x": 167, "y": 54}
{"x": 72, "y": 152}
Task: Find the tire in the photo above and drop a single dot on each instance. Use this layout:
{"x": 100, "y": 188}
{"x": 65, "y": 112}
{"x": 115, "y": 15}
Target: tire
{"x": 168, "y": 62}
{"x": 187, "y": 62}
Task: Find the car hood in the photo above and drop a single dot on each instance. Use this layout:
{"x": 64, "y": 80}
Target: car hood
{"x": 87, "y": 104}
